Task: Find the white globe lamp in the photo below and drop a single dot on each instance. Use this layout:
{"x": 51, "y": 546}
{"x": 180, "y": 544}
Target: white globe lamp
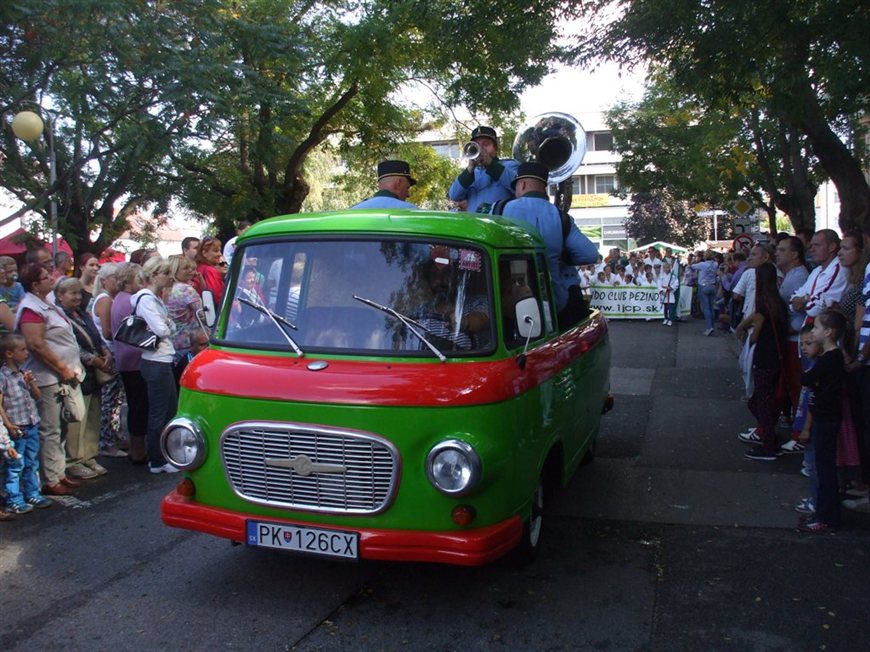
{"x": 27, "y": 125}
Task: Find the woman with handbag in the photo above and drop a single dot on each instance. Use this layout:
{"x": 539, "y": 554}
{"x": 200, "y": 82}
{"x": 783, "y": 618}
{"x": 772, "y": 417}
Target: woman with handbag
{"x": 156, "y": 366}
{"x": 83, "y": 437}
{"x": 128, "y": 361}
{"x": 54, "y": 361}
{"x": 768, "y": 329}
{"x": 112, "y": 395}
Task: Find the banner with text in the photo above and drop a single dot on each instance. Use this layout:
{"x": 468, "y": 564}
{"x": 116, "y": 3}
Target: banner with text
{"x": 635, "y": 302}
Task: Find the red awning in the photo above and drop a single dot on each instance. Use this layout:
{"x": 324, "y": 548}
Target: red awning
{"x": 16, "y": 242}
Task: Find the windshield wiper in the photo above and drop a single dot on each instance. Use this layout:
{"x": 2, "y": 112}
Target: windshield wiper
{"x": 278, "y": 320}
{"x": 408, "y": 322}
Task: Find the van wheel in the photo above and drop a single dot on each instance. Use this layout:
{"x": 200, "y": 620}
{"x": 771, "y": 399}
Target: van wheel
{"x": 527, "y": 550}
{"x": 590, "y": 452}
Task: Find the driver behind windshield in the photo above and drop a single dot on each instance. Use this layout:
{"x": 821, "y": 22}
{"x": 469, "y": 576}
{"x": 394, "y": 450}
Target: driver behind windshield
{"x": 443, "y": 287}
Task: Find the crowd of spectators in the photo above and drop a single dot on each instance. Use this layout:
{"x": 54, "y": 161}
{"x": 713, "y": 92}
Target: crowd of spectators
{"x": 799, "y": 307}
{"x": 800, "y": 304}
{"x": 69, "y": 393}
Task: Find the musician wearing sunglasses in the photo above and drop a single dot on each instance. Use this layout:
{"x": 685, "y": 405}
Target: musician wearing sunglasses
{"x": 486, "y": 178}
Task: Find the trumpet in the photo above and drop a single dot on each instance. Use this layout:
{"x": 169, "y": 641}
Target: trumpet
{"x": 471, "y": 151}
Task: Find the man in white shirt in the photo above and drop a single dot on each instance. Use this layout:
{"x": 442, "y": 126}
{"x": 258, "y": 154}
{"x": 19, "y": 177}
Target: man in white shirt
{"x": 827, "y": 282}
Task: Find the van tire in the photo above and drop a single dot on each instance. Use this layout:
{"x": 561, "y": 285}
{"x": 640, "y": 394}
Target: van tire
{"x": 533, "y": 527}
{"x": 527, "y": 550}
{"x": 589, "y": 456}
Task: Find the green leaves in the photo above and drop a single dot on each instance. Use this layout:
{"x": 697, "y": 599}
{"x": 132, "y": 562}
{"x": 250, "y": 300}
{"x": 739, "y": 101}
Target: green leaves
{"x": 798, "y": 63}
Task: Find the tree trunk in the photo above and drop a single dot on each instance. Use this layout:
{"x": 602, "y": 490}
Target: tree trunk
{"x": 843, "y": 168}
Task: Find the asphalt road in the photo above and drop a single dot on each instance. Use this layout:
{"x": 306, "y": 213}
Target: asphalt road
{"x": 670, "y": 540}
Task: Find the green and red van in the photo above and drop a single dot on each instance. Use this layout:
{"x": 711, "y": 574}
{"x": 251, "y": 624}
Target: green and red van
{"x": 386, "y": 385}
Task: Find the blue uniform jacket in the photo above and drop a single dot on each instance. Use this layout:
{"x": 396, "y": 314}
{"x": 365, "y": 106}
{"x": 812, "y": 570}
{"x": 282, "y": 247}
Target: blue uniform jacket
{"x": 383, "y": 199}
{"x": 485, "y": 186}
{"x": 535, "y": 209}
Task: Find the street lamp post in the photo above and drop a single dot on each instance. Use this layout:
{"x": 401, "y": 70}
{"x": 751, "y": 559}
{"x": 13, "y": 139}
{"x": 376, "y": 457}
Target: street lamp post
{"x": 29, "y": 126}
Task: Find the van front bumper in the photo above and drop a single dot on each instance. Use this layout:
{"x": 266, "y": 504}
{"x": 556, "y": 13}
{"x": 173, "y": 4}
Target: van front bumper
{"x": 471, "y": 547}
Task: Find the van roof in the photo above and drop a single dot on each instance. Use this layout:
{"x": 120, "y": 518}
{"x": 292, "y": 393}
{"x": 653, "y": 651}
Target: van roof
{"x": 487, "y": 229}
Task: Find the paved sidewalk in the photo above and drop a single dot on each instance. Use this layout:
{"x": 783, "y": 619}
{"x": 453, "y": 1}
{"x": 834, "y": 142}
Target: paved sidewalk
{"x": 668, "y": 452}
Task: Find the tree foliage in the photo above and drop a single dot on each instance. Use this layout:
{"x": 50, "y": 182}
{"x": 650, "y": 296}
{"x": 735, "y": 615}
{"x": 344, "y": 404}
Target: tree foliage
{"x": 218, "y": 104}
{"x": 713, "y": 155}
{"x": 656, "y": 215}
{"x": 803, "y": 61}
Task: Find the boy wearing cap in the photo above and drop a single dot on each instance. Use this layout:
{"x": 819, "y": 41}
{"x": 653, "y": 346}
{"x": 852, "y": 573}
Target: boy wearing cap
{"x": 533, "y": 206}
{"x": 394, "y": 183}
{"x": 487, "y": 179}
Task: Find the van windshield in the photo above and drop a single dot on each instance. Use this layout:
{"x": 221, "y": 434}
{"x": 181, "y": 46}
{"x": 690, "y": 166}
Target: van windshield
{"x": 419, "y": 298}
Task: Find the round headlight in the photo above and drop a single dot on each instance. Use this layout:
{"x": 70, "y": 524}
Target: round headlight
{"x": 183, "y": 444}
{"x": 453, "y": 467}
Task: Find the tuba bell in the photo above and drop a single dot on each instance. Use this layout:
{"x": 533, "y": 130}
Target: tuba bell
{"x": 556, "y": 140}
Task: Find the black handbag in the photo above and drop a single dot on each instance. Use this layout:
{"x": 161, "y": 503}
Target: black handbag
{"x": 135, "y": 332}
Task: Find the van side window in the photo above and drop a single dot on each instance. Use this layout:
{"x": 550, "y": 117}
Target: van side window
{"x": 549, "y": 306}
{"x": 518, "y": 279}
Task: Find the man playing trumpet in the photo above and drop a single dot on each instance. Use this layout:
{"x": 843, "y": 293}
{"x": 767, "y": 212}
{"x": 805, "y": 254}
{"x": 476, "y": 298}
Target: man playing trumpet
{"x": 487, "y": 179}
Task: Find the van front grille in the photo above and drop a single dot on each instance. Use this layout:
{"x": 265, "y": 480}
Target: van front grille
{"x": 310, "y": 468}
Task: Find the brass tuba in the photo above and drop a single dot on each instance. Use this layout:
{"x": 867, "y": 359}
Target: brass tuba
{"x": 555, "y": 140}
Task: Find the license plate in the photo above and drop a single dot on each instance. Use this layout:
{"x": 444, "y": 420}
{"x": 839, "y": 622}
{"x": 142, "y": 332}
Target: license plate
{"x": 308, "y": 540}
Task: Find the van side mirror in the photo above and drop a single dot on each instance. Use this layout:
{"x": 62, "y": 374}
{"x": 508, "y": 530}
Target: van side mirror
{"x": 528, "y": 318}
{"x": 208, "y": 308}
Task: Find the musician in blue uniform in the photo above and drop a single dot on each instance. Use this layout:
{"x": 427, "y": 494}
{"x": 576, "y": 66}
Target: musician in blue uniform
{"x": 487, "y": 179}
{"x": 394, "y": 183}
{"x": 533, "y": 206}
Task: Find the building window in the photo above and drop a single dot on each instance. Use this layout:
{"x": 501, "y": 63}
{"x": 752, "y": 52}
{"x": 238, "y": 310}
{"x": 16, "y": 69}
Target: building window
{"x": 600, "y": 141}
{"x": 578, "y": 185}
{"x": 604, "y": 183}
{"x": 447, "y": 150}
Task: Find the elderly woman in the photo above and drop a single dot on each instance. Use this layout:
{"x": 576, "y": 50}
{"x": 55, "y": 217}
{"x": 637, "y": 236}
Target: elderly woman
{"x": 156, "y": 366}
{"x": 112, "y": 393}
{"x": 183, "y": 304}
{"x": 83, "y": 437}
{"x": 128, "y": 360}
{"x": 208, "y": 257}
{"x": 54, "y": 361}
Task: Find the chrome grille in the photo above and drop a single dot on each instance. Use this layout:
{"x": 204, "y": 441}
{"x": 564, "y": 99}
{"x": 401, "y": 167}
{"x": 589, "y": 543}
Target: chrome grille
{"x": 365, "y": 486}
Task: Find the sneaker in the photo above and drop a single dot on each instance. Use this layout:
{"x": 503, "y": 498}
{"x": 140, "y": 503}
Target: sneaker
{"x": 858, "y": 504}
{"x": 749, "y": 437}
{"x": 669, "y": 323}
{"x": 815, "y": 527}
{"x": 16, "y": 508}
{"x": 665, "y": 322}
{"x": 708, "y": 332}
{"x": 79, "y": 470}
{"x": 858, "y": 490}
{"x": 805, "y": 471}
{"x": 39, "y": 502}
{"x": 758, "y": 453}
{"x": 166, "y": 468}
{"x": 96, "y": 467}
{"x": 805, "y": 506}
{"x": 792, "y": 446}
